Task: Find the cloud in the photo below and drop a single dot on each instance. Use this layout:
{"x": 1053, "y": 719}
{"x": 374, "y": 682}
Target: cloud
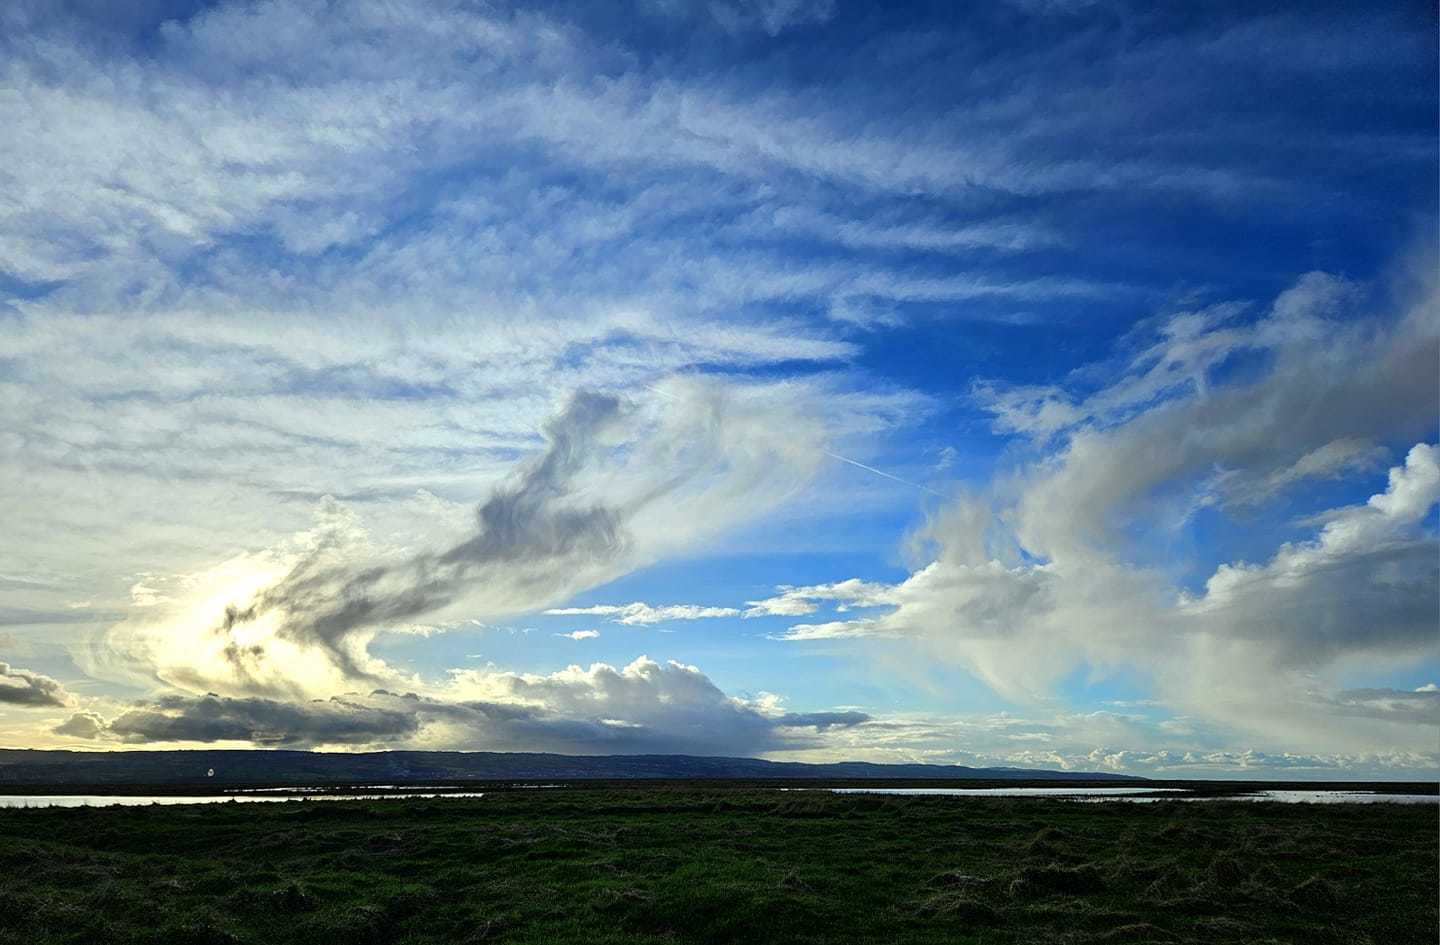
{"x": 1334, "y": 460}
{"x": 320, "y": 161}
{"x": 1054, "y": 7}
{"x": 1421, "y": 705}
{"x": 530, "y": 531}
{"x": 644, "y": 614}
{"x": 246, "y": 216}
{"x": 821, "y": 721}
{"x": 13, "y": 582}
{"x": 839, "y": 630}
{"x": 772, "y": 16}
{"x": 212, "y": 718}
{"x": 646, "y": 706}
{"x": 1147, "y": 740}
{"x": 142, "y": 595}
{"x": 798, "y": 601}
{"x": 1057, "y": 567}
{"x": 580, "y": 635}
{"x": 1365, "y": 583}
{"x": 1333, "y": 373}
{"x": 652, "y": 706}
{"x": 192, "y": 208}
{"x": 86, "y": 725}
{"x": 1364, "y": 586}
{"x": 31, "y": 616}
{"x": 1248, "y": 763}
{"x": 19, "y": 687}
{"x": 601, "y": 499}
{"x": 504, "y": 206}
{"x": 899, "y": 232}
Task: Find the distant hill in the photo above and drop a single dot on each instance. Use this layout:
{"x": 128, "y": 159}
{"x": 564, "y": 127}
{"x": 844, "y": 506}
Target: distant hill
{"x": 21, "y": 767}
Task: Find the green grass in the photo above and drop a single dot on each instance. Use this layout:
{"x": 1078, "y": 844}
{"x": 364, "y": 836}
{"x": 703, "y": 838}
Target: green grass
{"x": 701, "y": 865}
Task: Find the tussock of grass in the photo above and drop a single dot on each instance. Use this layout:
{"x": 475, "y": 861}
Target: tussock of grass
{"x": 1316, "y": 892}
{"x": 1227, "y": 870}
{"x": 675, "y": 866}
{"x": 956, "y": 878}
{"x": 1070, "y": 881}
{"x": 962, "y": 907}
{"x": 1134, "y": 933}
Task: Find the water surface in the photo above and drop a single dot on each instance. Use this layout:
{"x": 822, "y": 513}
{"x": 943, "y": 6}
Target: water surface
{"x": 402, "y": 792}
{"x": 1144, "y": 795}
{"x": 1101, "y": 792}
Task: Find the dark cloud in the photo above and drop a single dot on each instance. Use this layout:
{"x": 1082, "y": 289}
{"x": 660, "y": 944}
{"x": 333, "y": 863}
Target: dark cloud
{"x": 823, "y": 720}
{"x": 24, "y": 688}
{"x": 82, "y": 725}
{"x": 541, "y": 534}
{"x": 212, "y": 718}
{"x": 646, "y": 707}
{"x": 1420, "y": 707}
{"x": 532, "y": 526}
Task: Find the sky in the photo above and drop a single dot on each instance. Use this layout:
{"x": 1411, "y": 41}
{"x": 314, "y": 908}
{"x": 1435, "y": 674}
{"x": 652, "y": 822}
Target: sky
{"x": 1039, "y": 383}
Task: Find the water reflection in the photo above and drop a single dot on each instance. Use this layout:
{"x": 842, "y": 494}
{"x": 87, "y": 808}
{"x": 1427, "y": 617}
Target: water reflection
{"x": 1104, "y": 792}
{"x": 1339, "y": 797}
{"x": 1143, "y": 795}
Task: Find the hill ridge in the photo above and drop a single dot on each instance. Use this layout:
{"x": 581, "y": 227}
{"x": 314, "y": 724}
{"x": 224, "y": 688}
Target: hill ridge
{"x": 240, "y": 766}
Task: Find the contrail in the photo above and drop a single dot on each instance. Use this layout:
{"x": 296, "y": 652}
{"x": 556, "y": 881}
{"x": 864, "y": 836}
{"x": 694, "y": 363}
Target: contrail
{"x": 880, "y": 472}
{"x": 843, "y": 459}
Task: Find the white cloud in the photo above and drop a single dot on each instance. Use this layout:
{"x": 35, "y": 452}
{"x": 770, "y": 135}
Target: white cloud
{"x": 1360, "y": 583}
{"x": 1328, "y": 378}
{"x": 133, "y": 163}
{"x": 642, "y": 613}
{"x": 1055, "y": 569}
{"x": 580, "y": 635}
{"x": 209, "y": 227}
{"x": 798, "y": 601}
{"x": 143, "y": 595}
{"x": 772, "y": 16}
{"x": 1157, "y": 745}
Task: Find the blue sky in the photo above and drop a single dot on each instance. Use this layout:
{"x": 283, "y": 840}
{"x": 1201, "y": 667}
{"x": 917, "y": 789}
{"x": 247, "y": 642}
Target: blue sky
{"x": 1040, "y": 383}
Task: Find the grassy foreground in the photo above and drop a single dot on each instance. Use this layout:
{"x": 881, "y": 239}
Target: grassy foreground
{"x": 697, "y": 865}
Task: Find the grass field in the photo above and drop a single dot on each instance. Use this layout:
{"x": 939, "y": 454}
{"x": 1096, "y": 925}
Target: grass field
{"x": 699, "y": 865}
